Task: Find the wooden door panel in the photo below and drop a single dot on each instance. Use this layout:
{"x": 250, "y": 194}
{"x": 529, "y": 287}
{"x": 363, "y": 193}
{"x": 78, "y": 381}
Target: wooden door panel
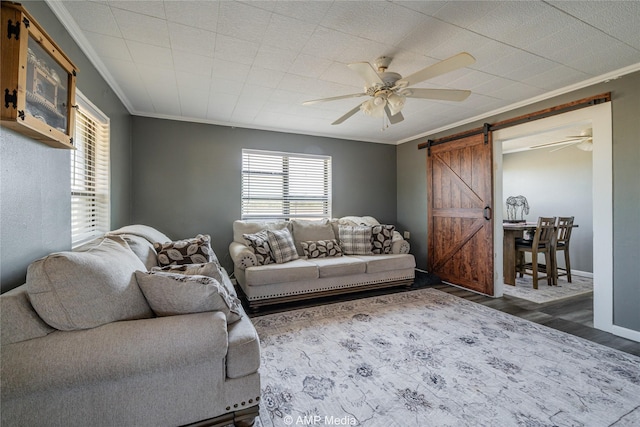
{"x": 459, "y": 175}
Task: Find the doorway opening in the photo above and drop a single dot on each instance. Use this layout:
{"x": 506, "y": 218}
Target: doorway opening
{"x": 599, "y": 116}
{"x": 550, "y": 174}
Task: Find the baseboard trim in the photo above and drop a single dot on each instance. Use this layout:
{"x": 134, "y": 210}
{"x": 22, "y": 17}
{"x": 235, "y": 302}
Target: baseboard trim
{"x": 582, "y": 273}
{"x": 627, "y": 333}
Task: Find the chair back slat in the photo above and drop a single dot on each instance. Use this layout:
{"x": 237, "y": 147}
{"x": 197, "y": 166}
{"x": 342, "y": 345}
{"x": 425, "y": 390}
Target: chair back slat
{"x": 545, "y": 232}
{"x": 564, "y": 227}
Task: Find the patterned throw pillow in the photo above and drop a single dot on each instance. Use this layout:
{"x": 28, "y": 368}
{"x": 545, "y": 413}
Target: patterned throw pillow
{"x": 321, "y": 248}
{"x": 189, "y": 251}
{"x": 355, "y": 240}
{"x": 171, "y": 294}
{"x": 259, "y": 242}
{"x": 210, "y": 269}
{"x": 282, "y": 246}
{"x": 381, "y": 236}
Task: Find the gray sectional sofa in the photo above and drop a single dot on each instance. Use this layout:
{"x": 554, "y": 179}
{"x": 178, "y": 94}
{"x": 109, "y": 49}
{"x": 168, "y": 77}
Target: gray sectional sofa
{"x": 386, "y": 262}
{"x": 82, "y": 344}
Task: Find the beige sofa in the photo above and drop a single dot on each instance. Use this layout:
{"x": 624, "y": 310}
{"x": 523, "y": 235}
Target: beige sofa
{"x": 307, "y": 277}
{"x": 109, "y": 360}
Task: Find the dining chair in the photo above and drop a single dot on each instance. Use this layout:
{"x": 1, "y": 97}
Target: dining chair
{"x": 542, "y": 242}
{"x": 562, "y": 239}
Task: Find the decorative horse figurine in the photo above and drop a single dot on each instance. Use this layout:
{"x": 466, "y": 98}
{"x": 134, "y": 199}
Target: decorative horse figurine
{"x": 515, "y": 203}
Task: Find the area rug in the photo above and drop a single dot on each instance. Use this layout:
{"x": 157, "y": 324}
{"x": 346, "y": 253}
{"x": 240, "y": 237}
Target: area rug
{"x": 524, "y": 289}
{"x": 427, "y": 358}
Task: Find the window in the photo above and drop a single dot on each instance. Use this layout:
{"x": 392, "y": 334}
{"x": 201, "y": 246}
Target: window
{"x": 90, "y": 211}
{"x": 285, "y": 185}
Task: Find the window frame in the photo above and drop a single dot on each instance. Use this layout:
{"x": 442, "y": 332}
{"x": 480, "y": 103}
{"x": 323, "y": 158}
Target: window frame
{"x": 90, "y": 173}
{"x": 291, "y": 201}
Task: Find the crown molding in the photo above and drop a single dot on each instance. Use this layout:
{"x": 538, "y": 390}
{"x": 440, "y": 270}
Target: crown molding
{"x": 70, "y": 25}
{"x": 604, "y": 78}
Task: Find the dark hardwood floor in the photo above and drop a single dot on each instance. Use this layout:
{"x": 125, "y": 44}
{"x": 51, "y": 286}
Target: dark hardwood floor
{"x": 573, "y": 315}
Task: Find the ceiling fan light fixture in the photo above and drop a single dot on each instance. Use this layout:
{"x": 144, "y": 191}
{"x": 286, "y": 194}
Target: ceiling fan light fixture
{"x": 396, "y": 102}
{"x": 373, "y": 107}
{"x": 585, "y": 145}
{"x": 378, "y": 101}
{"x": 388, "y": 90}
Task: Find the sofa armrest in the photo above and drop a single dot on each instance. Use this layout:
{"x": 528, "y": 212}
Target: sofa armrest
{"x": 66, "y": 359}
{"x": 399, "y": 245}
{"x": 242, "y": 256}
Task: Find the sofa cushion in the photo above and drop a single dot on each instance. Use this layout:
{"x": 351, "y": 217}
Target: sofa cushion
{"x": 259, "y": 243}
{"x": 306, "y": 230}
{"x": 293, "y": 271}
{"x": 282, "y": 246}
{"x": 110, "y": 355}
{"x": 390, "y": 262}
{"x": 146, "y": 232}
{"x": 143, "y": 249}
{"x": 252, "y": 227}
{"x": 209, "y": 269}
{"x": 196, "y": 250}
{"x": 341, "y": 266}
{"x": 19, "y": 320}
{"x": 141, "y": 239}
{"x": 358, "y": 220}
{"x": 81, "y": 290}
{"x": 355, "y": 240}
{"x": 243, "y": 355}
{"x": 382, "y": 238}
{"x": 170, "y": 294}
{"x": 321, "y": 248}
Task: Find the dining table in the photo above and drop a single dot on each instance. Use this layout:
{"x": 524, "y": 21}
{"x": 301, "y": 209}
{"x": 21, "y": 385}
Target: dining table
{"x": 512, "y": 231}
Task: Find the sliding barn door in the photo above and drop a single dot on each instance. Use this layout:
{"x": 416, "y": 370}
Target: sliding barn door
{"x": 460, "y": 225}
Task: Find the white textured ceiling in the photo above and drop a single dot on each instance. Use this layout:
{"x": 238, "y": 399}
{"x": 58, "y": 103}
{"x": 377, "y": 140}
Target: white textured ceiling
{"x": 252, "y": 63}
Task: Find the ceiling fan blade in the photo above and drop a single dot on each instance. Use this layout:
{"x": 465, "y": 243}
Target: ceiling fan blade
{"x": 346, "y": 116}
{"x": 367, "y": 72}
{"x": 393, "y": 119}
{"x": 565, "y": 146}
{"x": 334, "y": 98}
{"x": 557, "y": 142}
{"x": 441, "y": 94}
{"x": 450, "y": 64}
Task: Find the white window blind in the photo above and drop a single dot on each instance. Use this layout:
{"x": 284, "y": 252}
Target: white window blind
{"x": 285, "y": 185}
{"x": 90, "y": 199}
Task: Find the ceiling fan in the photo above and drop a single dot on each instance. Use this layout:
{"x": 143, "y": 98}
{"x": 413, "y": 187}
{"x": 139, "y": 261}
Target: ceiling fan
{"x": 389, "y": 90}
{"x": 583, "y": 142}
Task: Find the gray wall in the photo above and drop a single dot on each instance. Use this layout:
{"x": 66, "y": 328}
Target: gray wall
{"x": 187, "y": 176}
{"x": 35, "y": 191}
{"x": 555, "y": 184}
{"x": 412, "y": 197}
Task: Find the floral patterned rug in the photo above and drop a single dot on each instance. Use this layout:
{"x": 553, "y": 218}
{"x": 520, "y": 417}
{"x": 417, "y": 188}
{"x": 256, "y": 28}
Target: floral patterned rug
{"x": 427, "y": 358}
{"x": 524, "y": 289}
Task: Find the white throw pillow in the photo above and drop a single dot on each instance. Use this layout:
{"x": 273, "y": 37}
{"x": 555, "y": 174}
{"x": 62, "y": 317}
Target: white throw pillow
{"x": 170, "y": 294}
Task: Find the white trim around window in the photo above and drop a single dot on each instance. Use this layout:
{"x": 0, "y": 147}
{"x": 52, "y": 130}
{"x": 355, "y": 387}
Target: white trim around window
{"x": 90, "y": 192}
{"x": 278, "y": 185}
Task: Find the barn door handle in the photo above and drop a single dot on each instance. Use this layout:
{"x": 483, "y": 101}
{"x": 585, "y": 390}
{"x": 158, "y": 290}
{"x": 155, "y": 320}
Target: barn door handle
{"x": 487, "y": 213}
